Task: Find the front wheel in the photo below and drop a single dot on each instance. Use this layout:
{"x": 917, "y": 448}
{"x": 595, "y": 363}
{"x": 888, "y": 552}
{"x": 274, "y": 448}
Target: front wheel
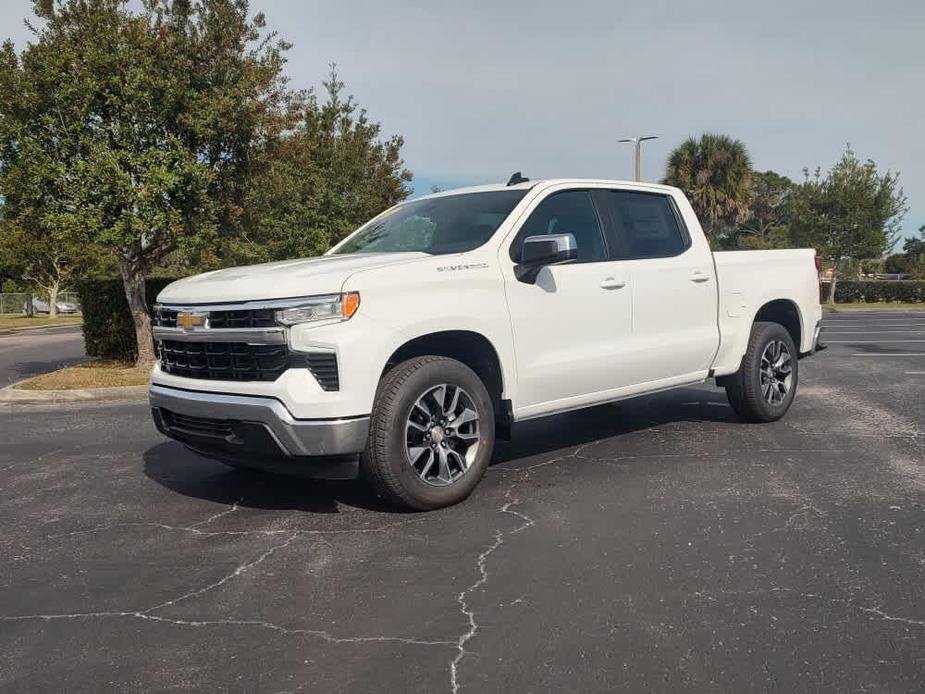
{"x": 763, "y": 387}
{"x": 431, "y": 433}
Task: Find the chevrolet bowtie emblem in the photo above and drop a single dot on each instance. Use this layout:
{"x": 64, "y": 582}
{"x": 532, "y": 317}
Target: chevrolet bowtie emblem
{"x": 188, "y": 321}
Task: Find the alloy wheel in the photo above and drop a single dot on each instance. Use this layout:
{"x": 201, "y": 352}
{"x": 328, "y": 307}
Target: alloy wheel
{"x": 776, "y": 372}
{"x": 442, "y": 434}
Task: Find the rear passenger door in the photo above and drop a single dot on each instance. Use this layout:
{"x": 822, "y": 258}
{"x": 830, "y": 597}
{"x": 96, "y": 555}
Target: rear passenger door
{"x": 673, "y": 283}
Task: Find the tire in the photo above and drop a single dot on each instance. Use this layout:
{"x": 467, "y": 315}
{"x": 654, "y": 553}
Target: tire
{"x": 405, "y": 459}
{"x": 755, "y": 391}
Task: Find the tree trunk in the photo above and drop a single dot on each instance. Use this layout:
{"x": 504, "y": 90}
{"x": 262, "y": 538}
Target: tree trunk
{"x": 133, "y": 281}
{"x": 53, "y": 301}
{"x": 833, "y": 282}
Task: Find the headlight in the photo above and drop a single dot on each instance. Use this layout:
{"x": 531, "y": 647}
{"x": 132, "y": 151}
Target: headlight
{"x": 336, "y": 306}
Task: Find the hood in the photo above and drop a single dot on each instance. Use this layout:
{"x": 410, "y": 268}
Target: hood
{"x": 281, "y": 280}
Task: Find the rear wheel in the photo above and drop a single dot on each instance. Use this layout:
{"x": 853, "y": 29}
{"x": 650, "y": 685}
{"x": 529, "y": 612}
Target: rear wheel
{"x": 431, "y": 433}
{"x": 766, "y": 382}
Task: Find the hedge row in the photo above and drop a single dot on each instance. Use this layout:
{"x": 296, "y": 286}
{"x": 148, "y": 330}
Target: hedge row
{"x": 109, "y": 331}
{"x": 859, "y": 291}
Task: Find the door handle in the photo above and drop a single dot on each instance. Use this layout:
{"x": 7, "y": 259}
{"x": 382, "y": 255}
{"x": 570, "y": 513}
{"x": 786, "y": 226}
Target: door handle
{"x": 613, "y": 283}
{"x": 698, "y": 276}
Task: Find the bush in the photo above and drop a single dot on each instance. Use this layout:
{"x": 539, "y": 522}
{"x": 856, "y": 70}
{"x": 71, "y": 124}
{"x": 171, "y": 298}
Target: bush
{"x": 109, "y": 331}
{"x": 858, "y": 291}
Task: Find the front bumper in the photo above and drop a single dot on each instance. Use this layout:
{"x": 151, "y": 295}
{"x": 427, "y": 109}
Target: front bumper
{"x": 259, "y": 432}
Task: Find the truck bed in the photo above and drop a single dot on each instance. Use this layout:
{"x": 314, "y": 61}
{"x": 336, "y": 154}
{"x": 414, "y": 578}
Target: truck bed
{"x": 747, "y": 280}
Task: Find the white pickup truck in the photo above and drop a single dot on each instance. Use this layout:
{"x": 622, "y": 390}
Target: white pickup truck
{"x": 405, "y": 350}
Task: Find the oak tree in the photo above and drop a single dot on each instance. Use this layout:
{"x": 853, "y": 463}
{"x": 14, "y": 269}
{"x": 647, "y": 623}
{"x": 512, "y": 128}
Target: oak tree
{"x": 130, "y": 131}
{"x": 851, "y": 213}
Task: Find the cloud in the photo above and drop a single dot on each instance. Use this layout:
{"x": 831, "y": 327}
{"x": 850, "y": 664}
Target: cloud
{"x": 483, "y": 89}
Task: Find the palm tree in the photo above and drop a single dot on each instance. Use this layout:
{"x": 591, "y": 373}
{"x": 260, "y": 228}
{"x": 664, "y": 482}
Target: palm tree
{"x": 715, "y": 173}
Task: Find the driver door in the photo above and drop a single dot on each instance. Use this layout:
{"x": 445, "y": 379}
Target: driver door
{"x": 572, "y": 324}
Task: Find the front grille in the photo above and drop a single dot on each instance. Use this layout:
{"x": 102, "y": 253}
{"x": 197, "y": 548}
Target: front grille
{"x": 238, "y": 361}
{"x": 223, "y": 361}
{"x": 165, "y": 318}
{"x": 250, "y": 318}
{"x": 201, "y": 426}
{"x": 238, "y": 318}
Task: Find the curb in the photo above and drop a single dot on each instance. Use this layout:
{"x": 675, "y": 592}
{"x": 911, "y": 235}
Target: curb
{"x": 12, "y": 395}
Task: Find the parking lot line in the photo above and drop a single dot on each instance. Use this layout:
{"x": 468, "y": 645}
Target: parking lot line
{"x": 888, "y": 354}
{"x": 855, "y": 324}
{"x": 866, "y": 342}
{"x": 872, "y": 332}
{"x": 869, "y": 326}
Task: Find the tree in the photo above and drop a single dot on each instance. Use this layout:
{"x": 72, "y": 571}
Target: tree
{"x": 43, "y": 257}
{"x": 767, "y": 223}
{"x": 852, "y": 213}
{"x": 132, "y": 132}
{"x": 325, "y": 177}
{"x": 912, "y": 260}
{"x": 715, "y": 173}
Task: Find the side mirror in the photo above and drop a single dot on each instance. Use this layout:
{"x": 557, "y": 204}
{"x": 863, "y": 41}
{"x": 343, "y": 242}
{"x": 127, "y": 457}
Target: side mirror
{"x": 539, "y": 251}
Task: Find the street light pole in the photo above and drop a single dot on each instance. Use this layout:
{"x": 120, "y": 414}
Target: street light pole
{"x": 637, "y": 145}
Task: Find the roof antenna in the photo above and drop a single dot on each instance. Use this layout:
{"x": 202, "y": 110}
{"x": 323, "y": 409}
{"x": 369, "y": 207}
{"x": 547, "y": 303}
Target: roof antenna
{"x": 517, "y": 178}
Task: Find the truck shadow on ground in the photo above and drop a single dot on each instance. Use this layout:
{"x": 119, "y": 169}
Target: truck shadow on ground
{"x": 173, "y": 466}
{"x": 571, "y": 429}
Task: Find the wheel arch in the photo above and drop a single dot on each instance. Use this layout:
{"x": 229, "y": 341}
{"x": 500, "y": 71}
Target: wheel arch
{"x": 785, "y": 312}
{"x": 472, "y": 349}
{"x": 775, "y": 309}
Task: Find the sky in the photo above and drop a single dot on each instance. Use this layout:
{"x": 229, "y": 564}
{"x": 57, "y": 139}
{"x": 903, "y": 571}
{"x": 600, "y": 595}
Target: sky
{"x": 482, "y": 89}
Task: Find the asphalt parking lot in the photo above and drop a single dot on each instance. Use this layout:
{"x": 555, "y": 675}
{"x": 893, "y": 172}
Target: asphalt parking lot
{"x": 655, "y": 544}
{"x": 27, "y": 353}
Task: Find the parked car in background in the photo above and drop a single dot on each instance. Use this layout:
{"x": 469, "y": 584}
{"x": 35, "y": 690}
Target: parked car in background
{"x": 404, "y": 351}
{"x": 39, "y": 306}
{"x": 892, "y": 276}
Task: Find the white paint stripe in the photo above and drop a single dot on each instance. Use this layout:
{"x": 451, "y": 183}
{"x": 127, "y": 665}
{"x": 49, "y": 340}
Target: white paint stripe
{"x": 872, "y": 332}
{"x": 863, "y": 342}
{"x": 874, "y": 326}
{"x": 915, "y": 373}
{"x": 900, "y": 308}
{"x": 888, "y": 354}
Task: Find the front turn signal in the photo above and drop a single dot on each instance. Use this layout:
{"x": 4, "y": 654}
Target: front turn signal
{"x": 349, "y": 304}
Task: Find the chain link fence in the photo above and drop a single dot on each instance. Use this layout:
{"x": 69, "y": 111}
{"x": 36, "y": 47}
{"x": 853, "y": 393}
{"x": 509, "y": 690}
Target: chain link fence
{"x": 14, "y": 303}
{"x": 26, "y": 303}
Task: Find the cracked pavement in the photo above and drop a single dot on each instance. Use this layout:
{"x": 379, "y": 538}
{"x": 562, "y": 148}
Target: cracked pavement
{"x": 651, "y": 544}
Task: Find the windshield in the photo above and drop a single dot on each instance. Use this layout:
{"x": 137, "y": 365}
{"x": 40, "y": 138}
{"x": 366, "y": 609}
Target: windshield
{"x": 446, "y": 224}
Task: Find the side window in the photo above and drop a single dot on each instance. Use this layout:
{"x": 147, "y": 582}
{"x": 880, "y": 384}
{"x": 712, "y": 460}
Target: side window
{"x": 641, "y": 225}
{"x": 570, "y": 212}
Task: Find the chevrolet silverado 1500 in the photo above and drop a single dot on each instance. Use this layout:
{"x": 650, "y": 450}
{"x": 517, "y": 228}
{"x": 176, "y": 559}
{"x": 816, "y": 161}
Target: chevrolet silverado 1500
{"x": 405, "y": 350}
